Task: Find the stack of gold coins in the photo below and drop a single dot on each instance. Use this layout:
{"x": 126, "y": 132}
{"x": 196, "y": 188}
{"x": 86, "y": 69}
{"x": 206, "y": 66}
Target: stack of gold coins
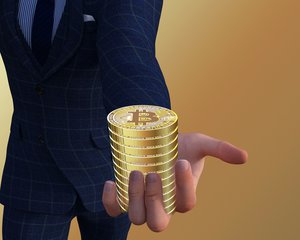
{"x": 144, "y": 138}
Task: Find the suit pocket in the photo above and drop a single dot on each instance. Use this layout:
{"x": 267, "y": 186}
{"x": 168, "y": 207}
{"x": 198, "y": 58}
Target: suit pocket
{"x": 100, "y": 138}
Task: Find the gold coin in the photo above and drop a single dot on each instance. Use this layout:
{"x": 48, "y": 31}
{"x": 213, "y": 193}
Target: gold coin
{"x": 166, "y": 207}
{"x": 146, "y": 150}
{"x": 123, "y": 209}
{"x": 144, "y": 167}
{"x": 124, "y": 188}
{"x": 170, "y": 200}
{"x": 166, "y": 196}
{"x": 125, "y": 199}
{"x": 125, "y": 206}
{"x": 143, "y": 142}
{"x": 142, "y": 121}
{"x": 143, "y": 164}
{"x": 122, "y": 204}
{"x": 170, "y": 176}
{"x": 144, "y": 159}
{"x": 168, "y": 191}
{"x": 126, "y": 173}
{"x": 125, "y": 192}
{"x": 170, "y": 209}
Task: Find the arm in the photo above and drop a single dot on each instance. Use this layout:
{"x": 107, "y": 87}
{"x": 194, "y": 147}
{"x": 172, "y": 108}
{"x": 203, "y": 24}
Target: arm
{"x": 130, "y": 72}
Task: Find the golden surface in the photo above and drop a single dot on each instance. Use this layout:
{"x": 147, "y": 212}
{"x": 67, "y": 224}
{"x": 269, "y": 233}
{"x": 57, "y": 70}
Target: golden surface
{"x": 144, "y": 168}
{"x": 125, "y": 188}
{"x": 125, "y": 173}
{"x": 142, "y": 121}
{"x": 167, "y": 201}
{"x": 170, "y": 176}
{"x": 166, "y": 196}
{"x": 144, "y": 138}
{"x": 140, "y": 164}
{"x": 146, "y": 149}
{"x": 142, "y": 142}
{"x": 161, "y": 158}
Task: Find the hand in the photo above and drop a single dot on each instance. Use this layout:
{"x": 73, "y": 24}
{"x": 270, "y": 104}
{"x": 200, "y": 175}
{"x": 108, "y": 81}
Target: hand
{"x": 145, "y": 200}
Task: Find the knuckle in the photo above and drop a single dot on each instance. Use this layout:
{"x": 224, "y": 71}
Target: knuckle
{"x": 151, "y": 196}
{"x": 134, "y": 193}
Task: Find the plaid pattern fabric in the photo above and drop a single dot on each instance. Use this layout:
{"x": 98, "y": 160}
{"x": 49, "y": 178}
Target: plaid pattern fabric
{"x": 20, "y": 224}
{"x": 59, "y": 142}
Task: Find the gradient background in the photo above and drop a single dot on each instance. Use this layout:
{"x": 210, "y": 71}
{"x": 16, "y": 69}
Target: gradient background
{"x": 233, "y": 72}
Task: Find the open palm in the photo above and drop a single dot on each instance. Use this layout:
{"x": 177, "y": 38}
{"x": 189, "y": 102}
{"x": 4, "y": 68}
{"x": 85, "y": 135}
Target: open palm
{"x": 146, "y": 199}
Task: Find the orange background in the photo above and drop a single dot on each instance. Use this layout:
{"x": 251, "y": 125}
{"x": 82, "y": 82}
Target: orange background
{"x": 233, "y": 72}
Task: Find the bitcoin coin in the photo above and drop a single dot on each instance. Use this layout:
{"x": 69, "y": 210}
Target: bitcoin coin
{"x": 124, "y": 188}
{"x": 142, "y": 121}
{"x": 144, "y": 167}
{"x": 121, "y": 203}
{"x": 125, "y": 173}
{"x": 167, "y": 200}
{"x": 146, "y": 159}
{"x": 166, "y": 177}
{"x": 146, "y": 150}
{"x": 166, "y": 192}
{"x": 122, "y": 206}
{"x": 123, "y": 197}
{"x": 171, "y": 208}
{"x": 143, "y": 142}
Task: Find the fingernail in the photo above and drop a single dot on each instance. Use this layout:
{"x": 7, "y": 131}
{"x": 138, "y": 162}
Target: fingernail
{"x": 151, "y": 177}
{"x": 108, "y": 187}
{"x": 134, "y": 175}
{"x": 183, "y": 165}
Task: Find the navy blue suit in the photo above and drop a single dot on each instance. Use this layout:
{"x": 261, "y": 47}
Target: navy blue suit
{"x": 58, "y": 147}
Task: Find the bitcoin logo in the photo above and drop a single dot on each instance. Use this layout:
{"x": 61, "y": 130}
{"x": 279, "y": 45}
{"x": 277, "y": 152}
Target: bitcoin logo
{"x": 143, "y": 117}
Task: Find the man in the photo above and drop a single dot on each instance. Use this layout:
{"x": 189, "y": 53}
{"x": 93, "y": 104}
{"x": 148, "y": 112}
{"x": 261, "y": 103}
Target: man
{"x": 69, "y": 63}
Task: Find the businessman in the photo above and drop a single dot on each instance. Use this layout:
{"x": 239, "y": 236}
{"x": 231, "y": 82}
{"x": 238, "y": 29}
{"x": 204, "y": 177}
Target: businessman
{"x": 69, "y": 63}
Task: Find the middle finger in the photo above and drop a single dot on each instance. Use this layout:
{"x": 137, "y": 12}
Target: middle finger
{"x": 157, "y": 218}
{"x": 136, "y": 205}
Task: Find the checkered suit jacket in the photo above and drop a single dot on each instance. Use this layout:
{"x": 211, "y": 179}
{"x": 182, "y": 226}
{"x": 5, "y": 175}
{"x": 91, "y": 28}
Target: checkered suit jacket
{"x": 58, "y": 146}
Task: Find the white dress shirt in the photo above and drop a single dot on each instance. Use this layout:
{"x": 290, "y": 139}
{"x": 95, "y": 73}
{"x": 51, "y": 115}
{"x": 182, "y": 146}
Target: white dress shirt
{"x": 26, "y": 12}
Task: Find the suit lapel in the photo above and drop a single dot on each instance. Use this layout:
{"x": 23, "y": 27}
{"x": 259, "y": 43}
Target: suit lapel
{"x": 15, "y": 38}
{"x": 67, "y": 38}
{"x": 65, "y": 43}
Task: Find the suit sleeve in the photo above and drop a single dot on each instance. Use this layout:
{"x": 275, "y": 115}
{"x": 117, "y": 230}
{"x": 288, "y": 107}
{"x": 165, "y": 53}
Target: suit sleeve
{"x": 130, "y": 72}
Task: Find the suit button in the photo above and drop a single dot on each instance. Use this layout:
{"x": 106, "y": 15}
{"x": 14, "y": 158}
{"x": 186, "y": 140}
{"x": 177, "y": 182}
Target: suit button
{"x": 39, "y": 89}
{"x": 41, "y": 140}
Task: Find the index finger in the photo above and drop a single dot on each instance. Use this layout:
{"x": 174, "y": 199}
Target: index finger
{"x": 223, "y": 150}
